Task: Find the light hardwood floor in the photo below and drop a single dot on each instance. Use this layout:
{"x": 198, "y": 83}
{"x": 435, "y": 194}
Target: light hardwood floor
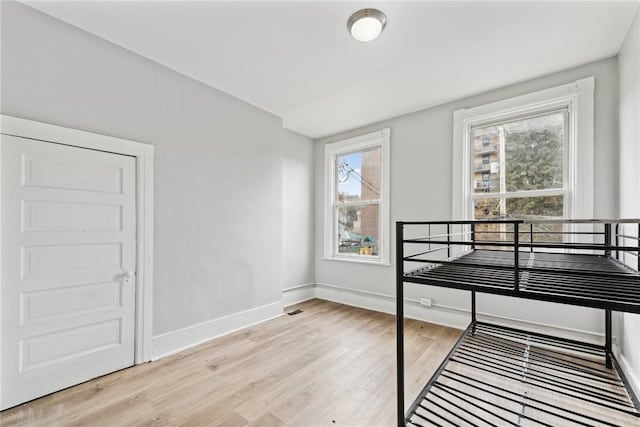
{"x": 331, "y": 365}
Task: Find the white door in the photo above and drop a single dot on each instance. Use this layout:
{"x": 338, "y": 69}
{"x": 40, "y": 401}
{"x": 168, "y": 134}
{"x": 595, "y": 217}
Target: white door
{"x": 67, "y": 293}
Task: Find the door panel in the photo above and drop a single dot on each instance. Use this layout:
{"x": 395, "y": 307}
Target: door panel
{"x": 53, "y": 347}
{"x": 38, "y": 261}
{"x": 36, "y": 306}
{"x": 52, "y": 216}
{"x": 54, "y": 173}
{"x": 67, "y": 293}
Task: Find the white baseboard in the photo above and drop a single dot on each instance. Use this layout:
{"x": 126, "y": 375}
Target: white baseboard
{"x": 191, "y": 336}
{"x": 297, "y": 294}
{"x": 454, "y": 317}
{"x": 386, "y": 304}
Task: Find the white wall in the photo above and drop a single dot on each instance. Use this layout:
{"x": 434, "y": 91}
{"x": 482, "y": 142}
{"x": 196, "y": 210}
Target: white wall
{"x": 421, "y": 156}
{"x": 298, "y": 217}
{"x": 629, "y": 66}
{"x": 219, "y": 168}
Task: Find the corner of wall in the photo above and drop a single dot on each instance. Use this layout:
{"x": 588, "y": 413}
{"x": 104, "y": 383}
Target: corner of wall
{"x": 298, "y": 294}
{"x": 628, "y": 326}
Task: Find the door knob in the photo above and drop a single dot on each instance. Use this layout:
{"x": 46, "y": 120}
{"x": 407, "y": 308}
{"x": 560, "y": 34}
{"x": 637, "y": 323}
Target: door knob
{"x": 126, "y": 277}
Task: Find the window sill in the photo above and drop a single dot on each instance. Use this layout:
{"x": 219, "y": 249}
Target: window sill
{"x": 358, "y": 261}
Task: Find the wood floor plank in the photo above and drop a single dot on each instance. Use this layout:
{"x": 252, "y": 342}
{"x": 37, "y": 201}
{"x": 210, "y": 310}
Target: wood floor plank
{"x": 331, "y": 365}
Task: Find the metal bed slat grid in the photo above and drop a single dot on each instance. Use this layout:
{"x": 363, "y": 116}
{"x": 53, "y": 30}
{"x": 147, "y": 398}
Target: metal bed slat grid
{"x": 605, "y": 283}
{"x": 501, "y": 376}
{"x": 567, "y": 263}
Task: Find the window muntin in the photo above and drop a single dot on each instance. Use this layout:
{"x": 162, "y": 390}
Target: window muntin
{"x": 357, "y": 199}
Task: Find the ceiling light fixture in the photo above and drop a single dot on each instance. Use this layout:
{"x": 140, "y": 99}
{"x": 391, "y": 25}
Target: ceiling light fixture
{"x": 366, "y": 24}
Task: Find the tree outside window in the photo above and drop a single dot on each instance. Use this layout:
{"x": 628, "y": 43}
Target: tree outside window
{"x": 526, "y": 168}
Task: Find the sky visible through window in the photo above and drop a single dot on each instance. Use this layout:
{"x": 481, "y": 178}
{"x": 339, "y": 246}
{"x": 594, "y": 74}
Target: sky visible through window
{"x": 348, "y": 182}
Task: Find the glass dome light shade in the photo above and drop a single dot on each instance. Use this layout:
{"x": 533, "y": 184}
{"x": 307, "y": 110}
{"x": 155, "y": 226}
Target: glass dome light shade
{"x": 366, "y": 24}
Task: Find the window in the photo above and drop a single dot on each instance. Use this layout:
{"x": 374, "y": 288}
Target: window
{"x": 529, "y": 177}
{"x": 539, "y": 162}
{"x": 357, "y": 199}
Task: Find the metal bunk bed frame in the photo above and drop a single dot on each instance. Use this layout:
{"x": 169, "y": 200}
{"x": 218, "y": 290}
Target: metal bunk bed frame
{"x": 523, "y": 270}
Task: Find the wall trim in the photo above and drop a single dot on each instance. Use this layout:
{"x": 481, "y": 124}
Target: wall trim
{"x": 293, "y": 288}
{"x": 182, "y": 339}
{"x": 144, "y": 154}
{"x": 386, "y": 304}
{"x": 298, "y": 294}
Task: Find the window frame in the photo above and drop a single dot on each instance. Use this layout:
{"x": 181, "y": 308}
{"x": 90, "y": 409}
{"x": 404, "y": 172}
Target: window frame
{"x": 376, "y": 139}
{"x": 577, "y": 97}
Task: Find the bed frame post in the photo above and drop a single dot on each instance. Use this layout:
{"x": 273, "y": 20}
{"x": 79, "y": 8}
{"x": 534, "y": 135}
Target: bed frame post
{"x": 400, "y": 322}
{"x": 607, "y": 338}
{"x": 448, "y": 241}
{"x": 607, "y": 240}
{"x": 607, "y": 312}
{"x": 516, "y": 255}
{"x": 473, "y": 293}
{"x": 473, "y": 312}
{"x": 473, "y": 236}
{"x": 617, "y": 241}
{"x": 531, "y": 237}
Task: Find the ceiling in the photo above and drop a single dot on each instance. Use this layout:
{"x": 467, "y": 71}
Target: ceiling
{"x": 296, "y": 59}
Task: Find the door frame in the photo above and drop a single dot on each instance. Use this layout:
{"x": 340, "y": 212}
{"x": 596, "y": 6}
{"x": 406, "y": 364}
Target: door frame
{"x": 144, "y": 154}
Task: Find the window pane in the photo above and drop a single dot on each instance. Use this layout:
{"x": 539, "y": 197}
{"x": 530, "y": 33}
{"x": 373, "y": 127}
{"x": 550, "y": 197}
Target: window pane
{"x": 358, "y": 230}
{"x": 533, "y": 153}
{"x": 519, "y": 208}
{"x": 486, "y": 160}
{"x": 520, "y": 155}
{"x": 486, "y": 208}
{"x": 489, "y": 208}
{"x": 535, "y": 207}
{"x": 358, "y": 176}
